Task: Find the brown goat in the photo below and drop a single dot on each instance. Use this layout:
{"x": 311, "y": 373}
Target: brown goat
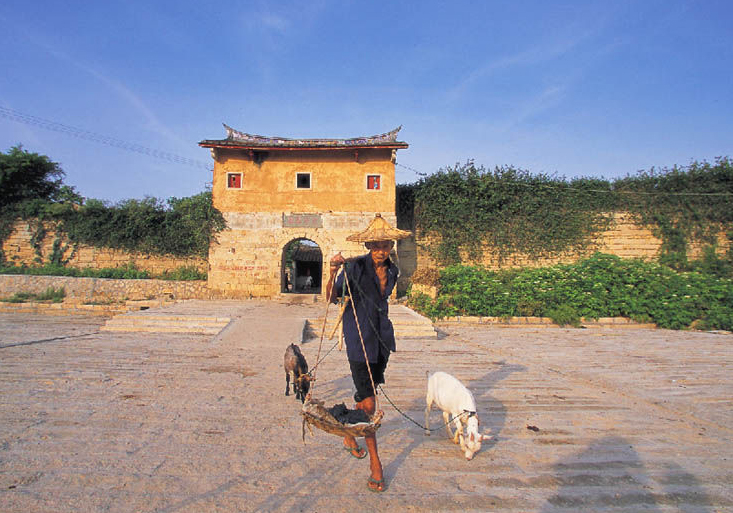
{"x": 296, "y": 366}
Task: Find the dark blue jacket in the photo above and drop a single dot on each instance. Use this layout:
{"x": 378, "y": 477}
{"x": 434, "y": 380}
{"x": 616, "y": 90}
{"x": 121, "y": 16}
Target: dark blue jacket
{"x": 372, "y": 309}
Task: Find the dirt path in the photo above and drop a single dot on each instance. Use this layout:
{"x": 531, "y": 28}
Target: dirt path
{"x": 625, "y": 420}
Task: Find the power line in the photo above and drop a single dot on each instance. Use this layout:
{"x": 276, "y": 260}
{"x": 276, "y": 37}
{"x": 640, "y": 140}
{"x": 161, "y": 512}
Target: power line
{"x": 602, "y": 191}
{"x": 79, "y": 133}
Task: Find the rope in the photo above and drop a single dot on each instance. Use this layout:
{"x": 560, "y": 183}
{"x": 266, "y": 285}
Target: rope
{"x": 346, "y": 285}
{"x": 361, "y": 338}
{"x": 363, "y": 297}
{"x": 318, "y": 362}
{"x": 469, "y": 413}
{"x": 312, "y": 372}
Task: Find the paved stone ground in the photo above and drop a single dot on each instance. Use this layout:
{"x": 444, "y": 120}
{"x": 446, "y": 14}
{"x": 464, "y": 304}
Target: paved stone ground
{"x": 621, "y": 421}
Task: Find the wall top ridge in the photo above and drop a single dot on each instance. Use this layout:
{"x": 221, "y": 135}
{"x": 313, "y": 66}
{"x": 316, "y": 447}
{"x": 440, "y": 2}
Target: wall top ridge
{"x": 237, "y": 139}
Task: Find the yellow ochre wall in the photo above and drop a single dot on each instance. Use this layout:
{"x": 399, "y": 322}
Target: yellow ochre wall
{"x": 338, "y": 181}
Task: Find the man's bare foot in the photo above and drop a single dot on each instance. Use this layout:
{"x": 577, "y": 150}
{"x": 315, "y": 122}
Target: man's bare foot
{"x": 375, "y": 485}
{"x": 357, "y": 452}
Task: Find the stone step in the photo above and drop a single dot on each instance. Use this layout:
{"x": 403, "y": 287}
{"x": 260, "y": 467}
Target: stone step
{"x": 314, "y": 331}
{"x": 298, "y": 299}
{"x": 162, "y": 323}
{"x": 406, "y": 323}
{"x": 164, "y": 329}
{"x": 138, "y": 317}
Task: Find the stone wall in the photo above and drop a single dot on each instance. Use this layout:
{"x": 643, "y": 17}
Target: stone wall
{"x": 247, "y": 259}
{"x": 18, "y": 250}
{"x": 103, "y": 289}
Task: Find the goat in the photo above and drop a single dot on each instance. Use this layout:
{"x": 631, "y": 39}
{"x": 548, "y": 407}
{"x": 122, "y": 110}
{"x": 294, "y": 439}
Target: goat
{"x": 296, "y": 366}
{"x": 459, "y": 408}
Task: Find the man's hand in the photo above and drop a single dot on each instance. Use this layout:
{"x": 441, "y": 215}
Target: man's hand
{"x": 337, "y": 261}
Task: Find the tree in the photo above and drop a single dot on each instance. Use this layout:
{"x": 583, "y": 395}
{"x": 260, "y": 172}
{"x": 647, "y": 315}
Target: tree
{"x": 29, "y": 176}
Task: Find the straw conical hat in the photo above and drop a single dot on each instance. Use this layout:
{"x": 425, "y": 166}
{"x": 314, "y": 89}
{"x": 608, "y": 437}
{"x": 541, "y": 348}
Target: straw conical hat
{"x": 378, "y": 230}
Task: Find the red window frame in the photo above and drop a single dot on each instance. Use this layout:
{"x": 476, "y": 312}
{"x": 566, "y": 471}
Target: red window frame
{"x": 374, "y": 182}
{"x": 234, "y": 180}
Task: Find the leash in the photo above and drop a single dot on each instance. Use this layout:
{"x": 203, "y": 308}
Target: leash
{"x": 469, "y": 413}
{"x": 363, "y": 297}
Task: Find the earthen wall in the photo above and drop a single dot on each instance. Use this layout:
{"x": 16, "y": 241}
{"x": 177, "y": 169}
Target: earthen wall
{"x": 337, "y": 181}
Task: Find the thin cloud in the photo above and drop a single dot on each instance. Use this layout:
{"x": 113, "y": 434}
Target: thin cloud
{"x": 536, "y": 104}
{"x": 152, "y": 121}
{"x": 531, "y": 56}
{"x": 274, "y": 22}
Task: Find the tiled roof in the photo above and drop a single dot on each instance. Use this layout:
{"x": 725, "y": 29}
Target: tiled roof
{"x": 237, "y": 139}
{"x": 307, "y": 254}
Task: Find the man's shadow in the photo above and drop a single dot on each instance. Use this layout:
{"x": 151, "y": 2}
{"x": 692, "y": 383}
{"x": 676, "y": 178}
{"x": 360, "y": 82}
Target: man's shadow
{"x": 336, "y": 390}
{"x": 610, "y": 473}
{"x": 411, "y": 435}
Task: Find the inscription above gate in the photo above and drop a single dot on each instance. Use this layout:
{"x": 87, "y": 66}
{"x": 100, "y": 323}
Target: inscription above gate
{"x": 302, "y": 221}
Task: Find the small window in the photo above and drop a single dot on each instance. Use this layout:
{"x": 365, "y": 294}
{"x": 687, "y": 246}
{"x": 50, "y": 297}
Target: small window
{"x": 374, "y": 182}
{"x": 234, "y": 180}
{"x": 303, "y": 181}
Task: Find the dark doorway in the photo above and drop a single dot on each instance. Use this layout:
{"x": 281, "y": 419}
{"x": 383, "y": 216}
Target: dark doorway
{"x": 302, "y": 266}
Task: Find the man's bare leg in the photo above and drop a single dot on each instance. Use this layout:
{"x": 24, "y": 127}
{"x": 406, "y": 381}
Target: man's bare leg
{"x": 368, "y": 406}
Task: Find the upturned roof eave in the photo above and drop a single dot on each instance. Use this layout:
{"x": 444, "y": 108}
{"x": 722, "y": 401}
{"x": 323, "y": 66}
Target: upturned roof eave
{"x": 242, "y": 140}
{"x": 236, "y": 145}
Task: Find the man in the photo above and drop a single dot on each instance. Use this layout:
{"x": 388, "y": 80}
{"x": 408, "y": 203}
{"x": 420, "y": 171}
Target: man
{"x": 371, "y": 279}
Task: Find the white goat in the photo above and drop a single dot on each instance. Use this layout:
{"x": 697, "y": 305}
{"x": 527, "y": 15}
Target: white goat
{"x": 459, "y": 407}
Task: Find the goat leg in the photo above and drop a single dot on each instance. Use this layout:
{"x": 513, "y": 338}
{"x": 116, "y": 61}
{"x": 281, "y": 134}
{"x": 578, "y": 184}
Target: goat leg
{"x": 447, "y": 420}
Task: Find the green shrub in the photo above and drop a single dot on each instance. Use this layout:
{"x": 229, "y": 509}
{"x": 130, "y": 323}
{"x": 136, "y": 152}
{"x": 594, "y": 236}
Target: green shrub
{"x": 564, "y": 315}
{"x": 183, "y": 273}
{"x": 180, "y": 226}
{"x": 464, "y": 208}
{"x": 599, "y": 286}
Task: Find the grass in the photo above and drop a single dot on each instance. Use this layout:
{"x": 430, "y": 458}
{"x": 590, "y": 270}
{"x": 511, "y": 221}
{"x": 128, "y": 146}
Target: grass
{"x": 130, "y": 272}
{"x": 51, "y": 294}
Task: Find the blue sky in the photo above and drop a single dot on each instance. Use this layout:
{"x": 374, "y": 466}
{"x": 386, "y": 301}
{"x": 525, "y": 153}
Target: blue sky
{"x": 575, "y": 88}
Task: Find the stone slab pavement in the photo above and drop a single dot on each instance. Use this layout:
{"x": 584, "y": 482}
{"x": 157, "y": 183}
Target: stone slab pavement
{"x": 581, "y": 420}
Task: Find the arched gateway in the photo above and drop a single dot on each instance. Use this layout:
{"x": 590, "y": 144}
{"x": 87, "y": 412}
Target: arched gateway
{"x": 275, "y": 192}
{"x": 302, "y": 267}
